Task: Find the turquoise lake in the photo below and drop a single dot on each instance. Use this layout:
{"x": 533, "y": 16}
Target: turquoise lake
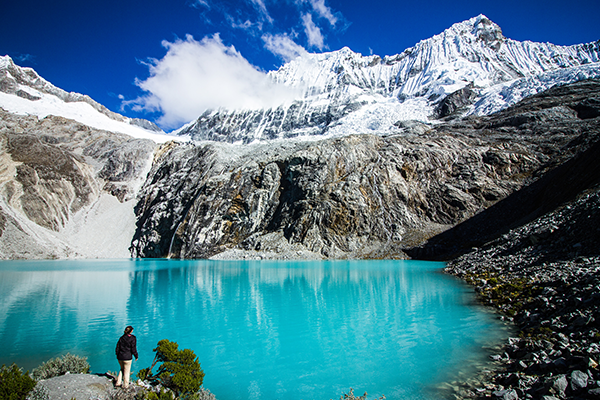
{"x": 261, "y": 329}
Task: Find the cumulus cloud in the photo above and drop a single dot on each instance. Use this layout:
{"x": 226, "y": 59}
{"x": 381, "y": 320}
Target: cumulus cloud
{"x": 283, "y": 46}
{"x": 195, "y": 76}
{"x": 313, "y": 32}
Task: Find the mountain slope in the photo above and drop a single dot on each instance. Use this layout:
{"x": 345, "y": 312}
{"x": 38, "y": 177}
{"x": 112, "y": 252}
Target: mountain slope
{"x": 24, "y": 92}
{"x": 70, "y": 170}
{"x": 372, "y": 180}
{"x": 345, "y": 92}
{"x": 67, "y": 190}
{"x": 357, "y": 196}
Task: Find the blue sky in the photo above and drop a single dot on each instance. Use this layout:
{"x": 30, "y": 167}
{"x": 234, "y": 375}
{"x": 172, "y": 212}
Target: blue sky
{"x": 108, "y": 49}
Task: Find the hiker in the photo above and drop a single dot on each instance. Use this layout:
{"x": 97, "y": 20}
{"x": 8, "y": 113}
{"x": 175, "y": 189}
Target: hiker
{"x": 126, "y": 350}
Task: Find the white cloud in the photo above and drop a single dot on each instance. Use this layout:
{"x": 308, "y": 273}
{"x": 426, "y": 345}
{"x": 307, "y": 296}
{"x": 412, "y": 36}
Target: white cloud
{"x": 251, "y": 27}
{"x": 199, "y": 3}
{"x": 323, "y": 11}
{"x": 283, "y": 46}
{"x": 313, "y": 33}
{"x": 195, "y": 76}
{"x": 262, "y": 8}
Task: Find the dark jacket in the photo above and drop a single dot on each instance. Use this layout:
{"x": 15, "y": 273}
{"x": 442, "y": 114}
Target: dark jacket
{"x": 126, "y": 347}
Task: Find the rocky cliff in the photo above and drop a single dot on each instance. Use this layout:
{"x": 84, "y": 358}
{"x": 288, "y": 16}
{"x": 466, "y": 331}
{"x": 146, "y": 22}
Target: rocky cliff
{"x": 365, "y": 196}
{"x": 67, "y": 190}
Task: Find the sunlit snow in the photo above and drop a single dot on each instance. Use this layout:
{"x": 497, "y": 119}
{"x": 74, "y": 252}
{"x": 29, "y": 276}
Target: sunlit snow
{"x": 78, "y": 111}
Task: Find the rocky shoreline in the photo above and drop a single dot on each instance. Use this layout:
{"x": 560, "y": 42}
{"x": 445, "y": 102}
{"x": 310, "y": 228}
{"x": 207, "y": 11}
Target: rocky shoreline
{"x": 544, "y": 277}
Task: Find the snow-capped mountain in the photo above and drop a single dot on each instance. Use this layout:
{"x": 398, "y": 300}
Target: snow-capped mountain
{"x": 24, "y": 92}
{"x": 345, "y": 92}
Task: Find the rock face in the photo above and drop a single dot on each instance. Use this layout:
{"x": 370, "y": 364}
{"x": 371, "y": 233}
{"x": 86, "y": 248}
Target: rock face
{"x": 565, "y": 116}
{"x": 60, "y": 181}
{"x": 358, "y": 196}
{"x": 363, "y": 196}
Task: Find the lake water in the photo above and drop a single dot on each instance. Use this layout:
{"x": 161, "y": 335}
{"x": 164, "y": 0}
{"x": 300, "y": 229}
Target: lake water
{"x": 261, "y": 329}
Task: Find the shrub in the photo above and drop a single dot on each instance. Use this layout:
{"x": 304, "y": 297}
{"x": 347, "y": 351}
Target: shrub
{"x": 180, "y": 370}
{"x": 14, "y": 384}
{"x": 350, "y": 396}
{"x": 39, "y": 392}
{"x": 60, "y": 366}
{"x": 161, "y": 395}
{"x": 205, "y": 394}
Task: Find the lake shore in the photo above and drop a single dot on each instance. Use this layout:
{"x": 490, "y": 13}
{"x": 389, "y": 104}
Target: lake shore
{"x": 543, "y": 277}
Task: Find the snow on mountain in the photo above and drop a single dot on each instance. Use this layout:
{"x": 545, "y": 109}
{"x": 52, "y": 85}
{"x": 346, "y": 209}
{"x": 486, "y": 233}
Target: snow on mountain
{"x": 345, "y": 92}
{"x": 24, "y": 92}
{"x": 469, "y": 69}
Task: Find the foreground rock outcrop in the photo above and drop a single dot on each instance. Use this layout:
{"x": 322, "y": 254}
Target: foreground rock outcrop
{"x": 545, "y": 278}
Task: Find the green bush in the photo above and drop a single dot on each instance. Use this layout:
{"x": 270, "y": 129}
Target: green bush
{"x": 39, "y": 392}
{"x": 350, "y": 396}
{"x": 161, "y": 395}
{"x": 180, "y": 370}
{"x": 205, "y": 394}
{"x": 14, "y": 384}
{"x": 60, "y": 366}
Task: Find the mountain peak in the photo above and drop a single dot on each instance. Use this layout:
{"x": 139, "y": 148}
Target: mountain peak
{"x": 469, "y": 68}
{"x": 487, "y": 31}
{"x": 479, "y": 28}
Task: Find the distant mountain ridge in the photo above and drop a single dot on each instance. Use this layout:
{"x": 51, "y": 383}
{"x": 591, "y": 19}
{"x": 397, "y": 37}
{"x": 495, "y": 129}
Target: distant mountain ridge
{"x": 345, "y": 92}
{"x": 23, "y": 91}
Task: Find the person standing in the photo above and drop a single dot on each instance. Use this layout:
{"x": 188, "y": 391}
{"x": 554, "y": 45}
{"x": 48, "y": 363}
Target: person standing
{"x": 126, "y": 350}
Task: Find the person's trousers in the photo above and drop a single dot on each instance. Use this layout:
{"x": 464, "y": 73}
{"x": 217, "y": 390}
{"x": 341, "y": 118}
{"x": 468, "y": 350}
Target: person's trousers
{"x": 124, "y": 373}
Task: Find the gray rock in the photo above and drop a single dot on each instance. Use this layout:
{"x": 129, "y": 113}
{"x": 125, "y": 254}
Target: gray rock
{"x": 560, "y": 385}
{"x": 579, "y": 380}
{"x": 79, "y": 387}
{"x": 456, "y": 101}
{"x": 507, "y": 394}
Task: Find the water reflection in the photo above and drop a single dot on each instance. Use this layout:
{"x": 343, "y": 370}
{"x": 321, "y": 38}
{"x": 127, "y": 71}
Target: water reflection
{"x": 261, "y": 329}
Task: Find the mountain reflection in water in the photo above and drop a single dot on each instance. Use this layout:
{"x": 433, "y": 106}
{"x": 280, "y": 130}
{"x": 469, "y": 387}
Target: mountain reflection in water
{"x": 261, "y": 329}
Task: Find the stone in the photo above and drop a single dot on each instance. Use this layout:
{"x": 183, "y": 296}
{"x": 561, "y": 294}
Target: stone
{"x": 559, "y": 385}
{"x": 579, "y": 380}
{"x": 507, "y": 394}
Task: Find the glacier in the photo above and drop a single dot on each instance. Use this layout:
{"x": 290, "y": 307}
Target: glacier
{"x": 344, "y": 92}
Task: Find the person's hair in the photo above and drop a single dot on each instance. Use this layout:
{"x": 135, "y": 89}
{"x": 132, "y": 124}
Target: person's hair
{"x": 128, "y": 330}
